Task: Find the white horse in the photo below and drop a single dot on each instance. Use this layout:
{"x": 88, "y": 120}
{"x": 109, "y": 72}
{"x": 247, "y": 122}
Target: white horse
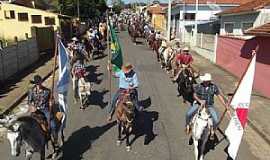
{"x": 166, "y": 57}
{"x": 84, "y": 89}
{"x": 202, "y": 125}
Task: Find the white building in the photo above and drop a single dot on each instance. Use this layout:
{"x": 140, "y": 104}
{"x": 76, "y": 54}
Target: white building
{"x": 184, "y": 16}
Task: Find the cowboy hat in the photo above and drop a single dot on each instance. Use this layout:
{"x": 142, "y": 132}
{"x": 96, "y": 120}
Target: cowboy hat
{"x": 206, "y": 77}
{"x": 127, "y": 67}
{"x": 185, "y": 49}
{"x": 74, "y": 39}
{"x": 36, "y": 80}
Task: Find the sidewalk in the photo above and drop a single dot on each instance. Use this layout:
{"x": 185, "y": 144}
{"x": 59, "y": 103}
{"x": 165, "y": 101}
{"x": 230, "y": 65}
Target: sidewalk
{"x": 260, "y": 105}
{"x": 19, "y": 84}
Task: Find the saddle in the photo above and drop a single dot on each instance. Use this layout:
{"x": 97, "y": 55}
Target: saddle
{"x": 42, "y": 121}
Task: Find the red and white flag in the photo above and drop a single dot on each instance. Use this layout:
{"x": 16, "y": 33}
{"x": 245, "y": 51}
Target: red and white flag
{"x": 240, "y": 103}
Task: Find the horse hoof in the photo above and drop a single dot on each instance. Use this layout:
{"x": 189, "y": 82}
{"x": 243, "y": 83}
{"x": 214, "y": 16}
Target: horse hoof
{"x": 128, "y": 148}
{"x": 118, "y": 143}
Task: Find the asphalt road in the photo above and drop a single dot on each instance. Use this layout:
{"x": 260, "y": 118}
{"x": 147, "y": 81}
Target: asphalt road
{"x": 90, "y": 137}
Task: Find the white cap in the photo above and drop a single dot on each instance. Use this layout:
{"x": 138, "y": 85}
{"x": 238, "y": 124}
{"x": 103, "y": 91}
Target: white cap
{"x": 185, "y": 49}
{"x": 74, "y": 39}
{"x": 206, "y": 77}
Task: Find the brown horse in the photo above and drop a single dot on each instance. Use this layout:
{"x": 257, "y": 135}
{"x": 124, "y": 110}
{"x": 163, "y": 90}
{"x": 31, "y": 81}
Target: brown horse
{"x": 156, "y": 45}
{"x": 125, "y": 113}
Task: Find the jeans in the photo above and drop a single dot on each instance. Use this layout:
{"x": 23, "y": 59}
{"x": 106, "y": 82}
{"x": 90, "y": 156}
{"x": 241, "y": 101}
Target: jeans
{"x": 135, "y": 100}
{"x": 47, "y": 115}
{"x": 194, "y": 109}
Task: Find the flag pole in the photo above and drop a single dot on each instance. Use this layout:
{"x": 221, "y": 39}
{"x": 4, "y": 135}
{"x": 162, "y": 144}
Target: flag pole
{"x": 109, "y": 58}
{"x": 254, "y": 52}
{"x": 53, "y": 79}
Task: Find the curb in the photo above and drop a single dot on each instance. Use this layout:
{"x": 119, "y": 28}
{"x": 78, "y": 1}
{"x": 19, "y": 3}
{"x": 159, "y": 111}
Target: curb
{"x": 17, "y": 101}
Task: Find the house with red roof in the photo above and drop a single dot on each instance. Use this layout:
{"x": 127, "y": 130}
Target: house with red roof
{"x": 243, "y": 29}
{"x": 235, "y": 21}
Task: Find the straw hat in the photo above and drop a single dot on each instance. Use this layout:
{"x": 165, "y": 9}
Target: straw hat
{"x": 127, "y": 67}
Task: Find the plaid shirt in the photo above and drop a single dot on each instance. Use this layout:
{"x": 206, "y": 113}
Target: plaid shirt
{"x": 207, "y": 93}
{"x": 39, "y": 99}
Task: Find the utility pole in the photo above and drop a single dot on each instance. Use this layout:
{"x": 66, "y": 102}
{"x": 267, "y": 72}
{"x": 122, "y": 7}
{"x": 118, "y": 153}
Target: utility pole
{"x": 78, "y": 9}
{"x": 169, "y": 20}
{"x": 196, "y": 22}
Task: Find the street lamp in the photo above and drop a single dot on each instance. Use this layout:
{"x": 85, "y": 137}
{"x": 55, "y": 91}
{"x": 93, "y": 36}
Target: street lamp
{"x": 78, "y": 9}
{"x": 196, "y": 22}
{"x": 169, "y": 21}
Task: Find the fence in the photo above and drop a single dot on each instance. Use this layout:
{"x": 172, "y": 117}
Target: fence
{"x": 204, "y": 44}
{"x": 16, "y": 57}
{"x": 206, "y": 41}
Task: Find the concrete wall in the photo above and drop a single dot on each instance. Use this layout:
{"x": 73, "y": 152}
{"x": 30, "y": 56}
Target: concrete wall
{"x": 234, "y": 54}
{"x": 12, "y": 27}
{"x": 17, "y": 57}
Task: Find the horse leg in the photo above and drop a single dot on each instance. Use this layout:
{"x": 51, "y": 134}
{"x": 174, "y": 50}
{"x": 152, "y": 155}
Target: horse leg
{"x": 62, "y": 137}
{"x": 202, "y": 149}
{"x": 118, "y": 142}
{"x": 196, "y": 151}
{"x": 42, "y": 153}
{"x": 128, "y": 147}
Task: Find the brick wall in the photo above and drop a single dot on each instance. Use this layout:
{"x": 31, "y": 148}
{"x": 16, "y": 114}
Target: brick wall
{"x": 234, "y": 54}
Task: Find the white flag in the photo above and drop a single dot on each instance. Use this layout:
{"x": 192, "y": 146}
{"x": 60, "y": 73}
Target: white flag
{"x": 240, "y": 103}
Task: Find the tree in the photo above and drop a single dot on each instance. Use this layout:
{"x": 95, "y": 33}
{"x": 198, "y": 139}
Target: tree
{"x": 88, "y": 8}
{"x": 118, "y": 5}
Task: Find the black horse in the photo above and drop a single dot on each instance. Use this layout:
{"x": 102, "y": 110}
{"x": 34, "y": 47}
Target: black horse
{"x": 185, "y": 82}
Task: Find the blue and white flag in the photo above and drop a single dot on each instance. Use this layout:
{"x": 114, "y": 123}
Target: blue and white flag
{"x": 64, "y": 69}
{"x": 63, "y": 81}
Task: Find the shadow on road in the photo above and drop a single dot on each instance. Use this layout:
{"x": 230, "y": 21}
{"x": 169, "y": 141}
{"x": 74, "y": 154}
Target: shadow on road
{"x": 93, "y": 76}
{"x": 144, "y": 125}
{"x": 146, "y": 103}
{"x": 81, "y": 140}
{"x": 97, "y": 98}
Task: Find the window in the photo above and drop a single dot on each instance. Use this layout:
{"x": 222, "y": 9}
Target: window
{"x": 189, "y": 16}
{"x": 36, "y": 19}
{"x": 246, "y": 26}
{"x": 10, "y": 14}
{"x": 23, "y": 16}
{"x": 49, "y": 21}
{"x": 228, "y": 28}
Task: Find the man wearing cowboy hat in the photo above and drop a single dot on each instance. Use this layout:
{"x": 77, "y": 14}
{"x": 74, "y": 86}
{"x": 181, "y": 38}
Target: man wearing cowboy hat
{"x": 204, "y": 95}
{"x": 128, "y": 80}
{"x": 39, "y": 99}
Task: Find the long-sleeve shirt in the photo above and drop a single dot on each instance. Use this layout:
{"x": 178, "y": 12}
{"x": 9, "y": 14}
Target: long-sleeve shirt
{"x": 126, "y": 81}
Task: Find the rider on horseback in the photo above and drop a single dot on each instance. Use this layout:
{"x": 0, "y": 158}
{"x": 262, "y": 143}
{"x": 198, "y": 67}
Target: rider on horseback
{"x": 204, "y": 96}
{"x": 128, "y": 80}
{"x": 77, "y": 71}
{"x": 39, "y": 102}
{"x": 184, "y": 60}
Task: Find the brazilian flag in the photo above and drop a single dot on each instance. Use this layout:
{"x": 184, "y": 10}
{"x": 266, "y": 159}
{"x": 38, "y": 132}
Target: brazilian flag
{"x": 117, "y": 58}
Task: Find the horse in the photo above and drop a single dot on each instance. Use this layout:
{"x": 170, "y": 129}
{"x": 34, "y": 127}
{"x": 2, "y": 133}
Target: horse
{"x": 125, "y": 113}
{"x": 84, "y": 89}
{"x": 156, "y": 45}
{"x": 133, "y": 32}
{"x": 201, "y": 129}
{"x": 185, "y": 82}
{"x": 27, "y": 130}
{"x": 166, "y": 56}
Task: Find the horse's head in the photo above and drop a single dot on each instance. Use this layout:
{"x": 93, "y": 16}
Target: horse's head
{"x": 15, "y": 138}
{"x": 201, "y": 121}
{"x": 129, "y": 109}
{"x": 13, "y": 134}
